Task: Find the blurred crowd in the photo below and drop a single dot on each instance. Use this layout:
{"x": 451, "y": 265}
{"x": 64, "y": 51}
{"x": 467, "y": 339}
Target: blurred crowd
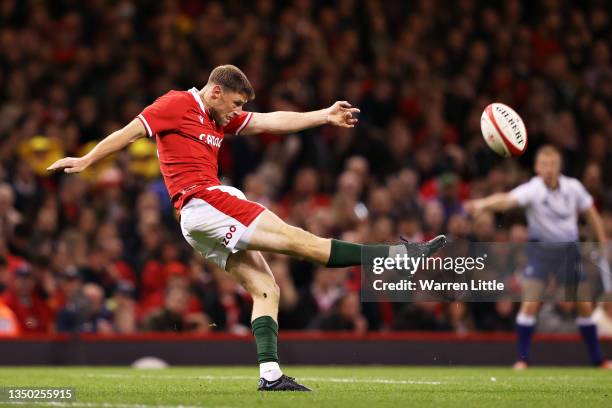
{"x": 102, "y": 252}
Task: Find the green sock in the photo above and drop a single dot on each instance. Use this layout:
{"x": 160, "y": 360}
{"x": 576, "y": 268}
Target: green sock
{"x": 345, "y": 254}
{"x": 265, "y": 330}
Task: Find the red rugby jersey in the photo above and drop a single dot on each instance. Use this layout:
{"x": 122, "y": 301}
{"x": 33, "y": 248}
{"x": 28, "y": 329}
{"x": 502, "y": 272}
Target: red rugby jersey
{"x": 188, "y": 141}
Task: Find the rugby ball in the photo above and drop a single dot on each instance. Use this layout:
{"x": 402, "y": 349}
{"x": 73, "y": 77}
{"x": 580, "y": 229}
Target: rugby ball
{"x": 503, "y": 130}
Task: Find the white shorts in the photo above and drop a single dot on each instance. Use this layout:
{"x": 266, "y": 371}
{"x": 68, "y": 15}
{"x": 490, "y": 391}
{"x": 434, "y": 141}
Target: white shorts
{"x": 219, "y": 221}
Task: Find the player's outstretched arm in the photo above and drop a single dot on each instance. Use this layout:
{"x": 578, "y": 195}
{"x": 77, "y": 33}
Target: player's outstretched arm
{"x": 496, "y": 202}
{"x": 112, "y": 143}
{"x": 339, "y": 114}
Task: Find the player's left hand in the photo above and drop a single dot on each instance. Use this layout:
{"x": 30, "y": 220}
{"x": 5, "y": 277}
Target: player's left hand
{"x": 342, "y": 114}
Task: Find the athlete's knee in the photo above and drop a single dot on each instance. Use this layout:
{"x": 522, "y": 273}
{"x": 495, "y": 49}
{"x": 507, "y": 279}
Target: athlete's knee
{"x": 584, "y": 309}
{"x": 530, "y": 308}
{"x": 265, "y": 290}
{"x": 255, "y": 276}
{"x": 272, "y": 292}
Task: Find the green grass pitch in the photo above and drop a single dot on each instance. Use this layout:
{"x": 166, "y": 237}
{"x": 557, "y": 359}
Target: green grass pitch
{"x": 372, "y": 387}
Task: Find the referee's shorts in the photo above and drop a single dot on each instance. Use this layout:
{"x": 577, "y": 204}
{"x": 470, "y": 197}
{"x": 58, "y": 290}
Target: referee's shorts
{"x": 561, "y": 260}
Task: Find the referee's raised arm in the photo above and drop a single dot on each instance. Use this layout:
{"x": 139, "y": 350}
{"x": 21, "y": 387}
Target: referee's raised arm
{"x": 496, "y": 202}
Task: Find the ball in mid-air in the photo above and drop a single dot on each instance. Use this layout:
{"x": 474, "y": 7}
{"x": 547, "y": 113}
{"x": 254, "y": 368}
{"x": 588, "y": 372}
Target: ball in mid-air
{"x": 503, "y": 130}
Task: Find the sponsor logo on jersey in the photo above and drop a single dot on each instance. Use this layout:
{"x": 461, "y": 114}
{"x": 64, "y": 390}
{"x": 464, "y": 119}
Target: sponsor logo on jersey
{"x": 211, "y": 140}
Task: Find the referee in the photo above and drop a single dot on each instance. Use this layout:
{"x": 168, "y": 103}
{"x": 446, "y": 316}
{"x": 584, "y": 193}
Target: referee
{"x": 552, "y": 203}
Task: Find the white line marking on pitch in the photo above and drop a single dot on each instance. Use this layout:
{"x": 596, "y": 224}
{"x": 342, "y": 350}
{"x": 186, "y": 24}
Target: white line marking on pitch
{"x": 244, "y": 377}
{"x": 369, "y": 380}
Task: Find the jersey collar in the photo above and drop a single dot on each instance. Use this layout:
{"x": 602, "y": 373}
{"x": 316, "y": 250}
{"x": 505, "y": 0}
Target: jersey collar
{"x": 560, "y": 184}
{"x": 194, "y": 92}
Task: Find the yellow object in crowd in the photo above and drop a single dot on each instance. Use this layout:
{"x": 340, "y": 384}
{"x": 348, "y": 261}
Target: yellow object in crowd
{"x": 143, "y": 153}
{"x": 40, "y": 152}
{"x": 8, "y": 322}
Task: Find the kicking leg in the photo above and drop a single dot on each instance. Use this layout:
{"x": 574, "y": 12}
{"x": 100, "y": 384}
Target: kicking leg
{"x": 274, "y": 235}
{"x": 250, "y": 269}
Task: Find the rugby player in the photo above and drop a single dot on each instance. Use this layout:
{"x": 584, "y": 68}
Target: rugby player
{"x": 552, "y": 203}
{"x": 217, "y": 220}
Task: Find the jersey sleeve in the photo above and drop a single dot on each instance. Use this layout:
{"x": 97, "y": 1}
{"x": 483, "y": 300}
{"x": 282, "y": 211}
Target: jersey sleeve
{"x": 164, "y": 114}
{"x": 585, "y": 199}
{"x": 523, "y": 193}
{"x": 238, "y": 123}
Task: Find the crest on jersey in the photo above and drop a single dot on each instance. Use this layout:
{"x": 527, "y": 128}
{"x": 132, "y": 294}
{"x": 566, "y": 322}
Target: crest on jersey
{"x": 201, "y": 119}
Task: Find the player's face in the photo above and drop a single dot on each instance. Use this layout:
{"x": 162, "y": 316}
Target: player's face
{"x": 548, "y": 166}
{"x": 228, "y": 105}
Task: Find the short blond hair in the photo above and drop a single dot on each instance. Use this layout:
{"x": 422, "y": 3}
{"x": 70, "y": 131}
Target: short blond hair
{"x": 233, "y": 79}
{"x": 548, "y": 150}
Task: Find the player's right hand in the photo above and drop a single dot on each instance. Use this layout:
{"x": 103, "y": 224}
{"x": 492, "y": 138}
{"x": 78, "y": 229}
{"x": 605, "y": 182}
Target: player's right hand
{"x": 70, "y": 164}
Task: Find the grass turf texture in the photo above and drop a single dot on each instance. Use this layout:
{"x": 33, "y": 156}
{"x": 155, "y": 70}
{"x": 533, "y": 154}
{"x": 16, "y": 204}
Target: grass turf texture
{"x": 113, "y": 387}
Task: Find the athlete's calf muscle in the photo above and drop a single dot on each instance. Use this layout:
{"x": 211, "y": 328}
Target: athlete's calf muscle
{"x": 250, "y": 269}
{"x": 274, "y": 235}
